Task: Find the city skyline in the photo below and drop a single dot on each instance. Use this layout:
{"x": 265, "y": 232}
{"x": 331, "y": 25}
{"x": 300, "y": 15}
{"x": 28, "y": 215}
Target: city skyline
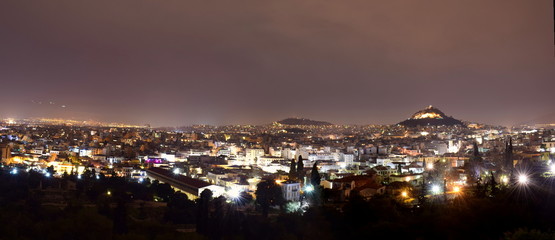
{"x": 548, "y": 119}
{"x": 290, "y": 119}
{"x": 358, "y": 62}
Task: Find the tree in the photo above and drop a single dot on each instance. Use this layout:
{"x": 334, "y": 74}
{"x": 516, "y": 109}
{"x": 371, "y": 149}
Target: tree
{"x": 164, "y": 191}
{"x": 475, "y": 152}
{"x": 268, "y": 194}
{"x": 315, "y": 195}
{"x": 292, "y": 169}
{"x": 493, "y": 184}
{"x": 217, "y": 219}
{"x": 315, "y": 175}
{"x": 50, "y": 170}
{"x": 508, "y": 157}
{"x": 473, "y": 168}
{"x": 203, "y": 211}
{"x": 300, "y": 168}
{"x": 120, "y": 218}
{"x": 180, "y": 209}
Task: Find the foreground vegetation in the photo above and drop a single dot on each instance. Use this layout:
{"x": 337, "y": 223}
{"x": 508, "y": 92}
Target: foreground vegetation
{"x": 111, "y": 208}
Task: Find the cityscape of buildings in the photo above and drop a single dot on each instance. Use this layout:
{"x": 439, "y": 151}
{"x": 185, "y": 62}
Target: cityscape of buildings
{"x": 277, "y": 120}
{"x": 309, "y": 164}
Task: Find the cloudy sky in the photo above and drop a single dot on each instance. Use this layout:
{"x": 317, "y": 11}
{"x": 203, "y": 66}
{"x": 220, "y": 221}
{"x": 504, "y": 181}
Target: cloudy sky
{"x": 180, "y": 62}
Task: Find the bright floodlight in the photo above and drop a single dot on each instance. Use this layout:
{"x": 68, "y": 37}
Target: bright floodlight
{"x": 14, "y": 171}
{"x": 404, "y": 194}
{"x": 309, "y": 188}
{"x": 79, "y": 176}
{"x": 435, "y": 189}
{"x": 430, "y": 166}
{"x": 523, "y": 179}
{"x": 176, "y": 171}
{"x": 456, "y": 189}
{"x": 233, "y": 193}
{"x": 47, "y": 174}
{"x": 552, "y": 168}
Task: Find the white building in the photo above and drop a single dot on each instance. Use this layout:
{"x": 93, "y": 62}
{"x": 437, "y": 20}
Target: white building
{"x": 169, "y": 157}
{"x": 348, "y": 159}
{"x": 291, "y": 190}
{"x": 252, "y": 154}
{"x": 320, "y": 157}
{"x": 288, "y": 153}
{"x": 267, "y": 160}
{"x": 225, "y": 152}
{"x": 85, "y": 153}
{"x": 383, "y": 161}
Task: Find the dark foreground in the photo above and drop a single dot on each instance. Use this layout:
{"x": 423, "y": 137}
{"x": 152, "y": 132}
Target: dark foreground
{"x": 33, "y": 206}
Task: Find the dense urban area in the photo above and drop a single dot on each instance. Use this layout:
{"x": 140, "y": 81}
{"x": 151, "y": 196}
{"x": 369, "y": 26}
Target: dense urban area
{"x": 428, "y": 177}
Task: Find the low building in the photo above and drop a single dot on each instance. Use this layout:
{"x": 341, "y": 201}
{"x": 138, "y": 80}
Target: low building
{"x": 412, "y": 178}
{"x": 364, "y": 185}
{"x": 291, "y": 190}
{"x": 190, "y": 186}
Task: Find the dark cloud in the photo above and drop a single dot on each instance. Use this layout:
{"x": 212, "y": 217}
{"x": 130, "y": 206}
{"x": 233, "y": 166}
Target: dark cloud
{"x": 352, "y": 61}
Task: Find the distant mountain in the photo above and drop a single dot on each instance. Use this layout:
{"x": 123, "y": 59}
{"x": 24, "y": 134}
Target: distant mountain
{"x": 430, "y": 117}
{"x": 303, "y": 121}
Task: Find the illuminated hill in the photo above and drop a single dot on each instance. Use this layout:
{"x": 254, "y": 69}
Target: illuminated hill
{"x": 430, "y": 117}
{"x": 303, "y": 121}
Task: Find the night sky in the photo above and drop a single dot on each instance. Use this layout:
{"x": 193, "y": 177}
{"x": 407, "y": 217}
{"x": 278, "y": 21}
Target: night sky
{"x": 183, "y": 62}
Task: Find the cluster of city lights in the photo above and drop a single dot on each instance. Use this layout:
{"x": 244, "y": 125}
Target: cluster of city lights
{"x": 504, "y": 179}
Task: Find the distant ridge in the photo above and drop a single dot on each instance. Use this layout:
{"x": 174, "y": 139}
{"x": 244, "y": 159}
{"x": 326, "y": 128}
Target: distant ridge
{"x": 545, "y": 119}
{"x": 430, "y": 117}
{"x": 303, "y": 121}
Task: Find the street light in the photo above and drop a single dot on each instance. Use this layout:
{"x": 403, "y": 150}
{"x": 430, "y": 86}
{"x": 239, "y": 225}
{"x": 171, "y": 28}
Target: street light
{"x": 523, "y": 179}
{"x": 233, "y": 193}
{"x": 436, "y": 189}
{"x": 404, "y": 194}
{"x": 309, "y": 188}
{"x": 456, "y": 189}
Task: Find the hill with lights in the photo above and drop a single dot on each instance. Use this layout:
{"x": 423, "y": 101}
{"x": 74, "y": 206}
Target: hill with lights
{"x": 303, "y": 122}
{"x": 430, "y": 117}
